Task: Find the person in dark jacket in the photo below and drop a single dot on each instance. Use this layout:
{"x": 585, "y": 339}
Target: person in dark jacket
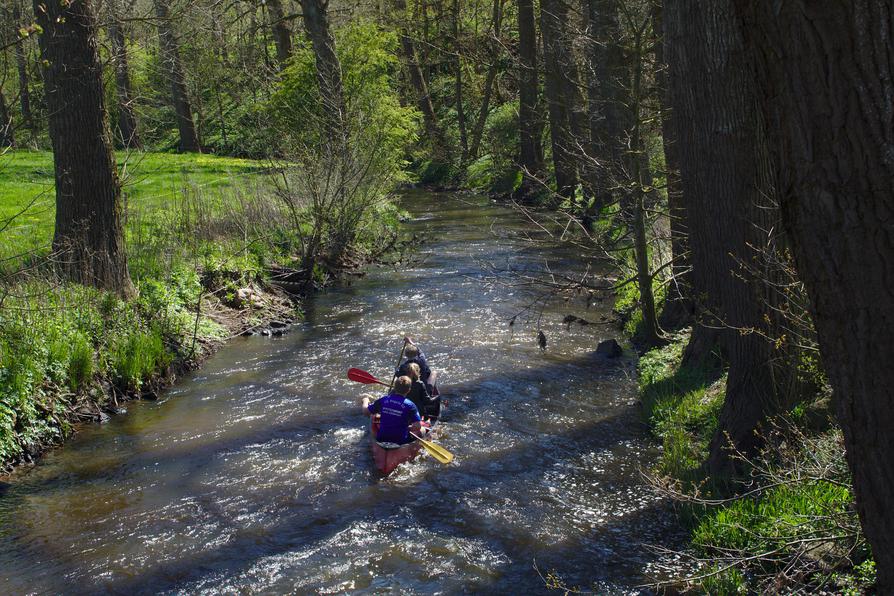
{"x": 415, "y": 355}
{"x": 429, "y": 407}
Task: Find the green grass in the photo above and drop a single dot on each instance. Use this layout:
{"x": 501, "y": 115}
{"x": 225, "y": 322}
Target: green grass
{"x": 805, "y": 495}
{"x": 682, "y": 405}
{"x": 151, "y": 181}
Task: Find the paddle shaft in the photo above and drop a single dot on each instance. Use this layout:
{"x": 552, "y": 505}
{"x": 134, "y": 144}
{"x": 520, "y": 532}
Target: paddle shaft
{"x": 399, "y": 358}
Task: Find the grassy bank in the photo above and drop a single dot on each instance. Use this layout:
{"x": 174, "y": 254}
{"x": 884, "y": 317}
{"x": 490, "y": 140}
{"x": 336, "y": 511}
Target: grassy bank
{"x": 204, "y": 237}
{"x": 789, "y": 526}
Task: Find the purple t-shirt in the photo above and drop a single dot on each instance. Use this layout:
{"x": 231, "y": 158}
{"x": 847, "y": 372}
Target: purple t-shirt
{"x": 398, "y": 413}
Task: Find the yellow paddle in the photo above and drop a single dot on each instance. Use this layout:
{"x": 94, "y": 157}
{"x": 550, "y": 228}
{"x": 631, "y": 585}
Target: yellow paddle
{"x": 436, "y": 451}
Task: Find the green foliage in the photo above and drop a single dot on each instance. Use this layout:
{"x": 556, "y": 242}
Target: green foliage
{"x": 771, "y": 520}
{"x": 682, "y": 405}
{"x": 376, "y": 120}
{"x": 80, "y": 364}
{"x": 725, "y": 582}
{"x": 136, "y": 356}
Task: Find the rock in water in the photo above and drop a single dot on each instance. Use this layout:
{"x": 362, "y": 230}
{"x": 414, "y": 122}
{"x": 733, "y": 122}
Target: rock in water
{"x": 609, "y": 348}
{"x": 278, "y": 324}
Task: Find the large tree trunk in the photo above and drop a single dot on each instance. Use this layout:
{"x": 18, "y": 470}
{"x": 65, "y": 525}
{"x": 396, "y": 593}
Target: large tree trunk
{"x": 282, "y": 36}
{"x": 529, "y": 123}
{"x": 170, "y": 54}
{"x": 127, "y": 121}
{"x": 607, "y": 75}
{"x": 678, "y": 309}
{"x": 824, "y": 71}
{"x": 22, "y": 68}
{"x": 559, "y": 94}
{"x": 420, "y": 86}
{"x": 88, "y": 242}
{"x": 728, "y": 185}
{"x": 494, "y": 45}
{"x": 328, "y": 69}
{"x": 7, "y": 136}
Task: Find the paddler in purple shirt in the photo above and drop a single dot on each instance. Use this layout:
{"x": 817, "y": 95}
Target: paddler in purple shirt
{"x": 398, "y": 415}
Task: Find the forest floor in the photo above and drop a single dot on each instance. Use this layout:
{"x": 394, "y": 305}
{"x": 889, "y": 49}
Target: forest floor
{"x": 203, "y": 235}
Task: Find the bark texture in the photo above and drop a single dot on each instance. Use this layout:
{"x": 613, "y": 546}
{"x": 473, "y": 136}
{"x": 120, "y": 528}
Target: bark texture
{"x": 494, "y": 51}
{"x": 88, "y": 240}
{"x": 127, "y": 120}
{"x": 678, "y": 308}
{"x": 458, "y": 83}
{"x": 529, "y": 123}
{"x": 727, "y": 179}
{"x": 560, "y": 94}
{"x": 170, "y": 53}
{"x": 608, "y": 124}
{"x": 825, "y": 84}
{"x": 328, "y": 68}
{"x": 282, "y": 35}
{"x": 420, "y": 86}
{"x": 22, "y": 68}
{"x": 7, "y": 136}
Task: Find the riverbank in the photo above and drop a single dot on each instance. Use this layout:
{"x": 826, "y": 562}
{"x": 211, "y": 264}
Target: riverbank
{"x": 790, "y": 524}
{"x": 212, "y": 254}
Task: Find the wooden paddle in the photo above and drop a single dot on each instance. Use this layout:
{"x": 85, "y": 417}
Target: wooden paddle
{"x": 436, "y": 451}
{"x": 361, "y": 376}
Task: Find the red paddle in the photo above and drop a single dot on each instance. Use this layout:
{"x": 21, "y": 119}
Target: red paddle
{"x": 361, "y": 376}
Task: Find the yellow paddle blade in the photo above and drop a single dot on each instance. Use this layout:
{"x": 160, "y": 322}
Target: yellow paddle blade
{"x": 436, "y": 451}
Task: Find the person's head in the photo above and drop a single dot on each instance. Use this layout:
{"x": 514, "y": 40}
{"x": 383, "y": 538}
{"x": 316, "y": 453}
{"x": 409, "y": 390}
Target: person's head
{"x": 402, "y": 385}
{"x": 413, "y": 371}
{"x": 411, "y": 351}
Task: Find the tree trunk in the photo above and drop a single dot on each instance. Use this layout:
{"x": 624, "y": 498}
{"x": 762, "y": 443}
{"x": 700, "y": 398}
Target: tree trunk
{"x": 824, "y": 82}
{"x": 606, "y": 95}
{"x": 478, "y": 130}
{"x": 127, "y": 121}
{"x": 639, "y": 173}
{"x": 170, "y": 53}
{"x": 88, "y": 241}
{"x": 328, "y": 69}
{"x": 678, "y": 308}
{"x": 282, "y": 36}
{"x": 417, "y": 80}
{"x": 22, "y": 67}
{"x": 727, "y": 181}
{"x": 458, "y": 85}
{"x": 559, "y": 94}
{"x": 529, "y": 123}
{"x": 7, "y": 136}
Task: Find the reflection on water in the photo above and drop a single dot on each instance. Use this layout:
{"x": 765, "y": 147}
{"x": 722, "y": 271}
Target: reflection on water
{"x": 254, "y": 474}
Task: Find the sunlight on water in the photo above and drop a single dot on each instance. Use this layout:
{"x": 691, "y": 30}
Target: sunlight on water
{"x": 255, "y": 474}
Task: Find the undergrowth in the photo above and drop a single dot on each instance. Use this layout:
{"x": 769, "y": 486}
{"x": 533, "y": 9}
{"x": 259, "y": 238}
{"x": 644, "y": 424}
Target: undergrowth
{"x": 790, "y": 527}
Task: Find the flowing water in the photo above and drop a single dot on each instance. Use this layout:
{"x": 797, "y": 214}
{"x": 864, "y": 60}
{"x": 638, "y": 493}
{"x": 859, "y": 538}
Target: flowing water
{"x": 254, "y": 474}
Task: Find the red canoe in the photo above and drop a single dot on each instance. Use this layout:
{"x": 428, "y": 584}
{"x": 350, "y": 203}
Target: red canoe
{"x": 387, "y": 455}
{"x": 388, "y": 458}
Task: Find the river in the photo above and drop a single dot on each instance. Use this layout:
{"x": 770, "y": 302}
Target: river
{"x": 254, "y": 474}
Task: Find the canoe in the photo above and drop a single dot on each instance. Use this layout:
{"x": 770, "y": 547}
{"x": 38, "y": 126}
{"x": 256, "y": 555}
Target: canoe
{"x": 387, "y": 458}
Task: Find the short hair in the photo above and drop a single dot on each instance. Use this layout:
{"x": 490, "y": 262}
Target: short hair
{"x": 411, "y": 351}
{"x": 402, "y": 385}
{"x": 413, "y": 371}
